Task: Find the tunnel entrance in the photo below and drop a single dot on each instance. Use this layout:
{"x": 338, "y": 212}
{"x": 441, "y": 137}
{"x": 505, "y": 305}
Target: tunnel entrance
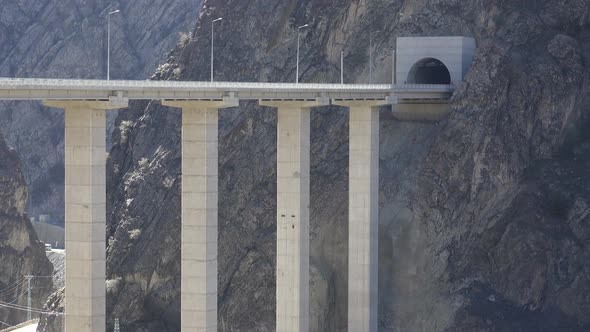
{"x": 429, "y": 71}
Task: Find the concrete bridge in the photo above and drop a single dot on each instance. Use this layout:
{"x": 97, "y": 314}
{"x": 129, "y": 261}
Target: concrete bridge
{"x": 85, "y": 103}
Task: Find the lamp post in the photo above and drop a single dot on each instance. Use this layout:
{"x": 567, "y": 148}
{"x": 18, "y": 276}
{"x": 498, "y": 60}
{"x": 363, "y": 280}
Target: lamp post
{"x": 212, "y": 44}
{"x": 371, "y": 34}
{"x": 393, "y": 67}
{"x": 298, "y": 37}
{"x": 342, "y": 67}
{"x": 371, "y": 57}
{"x": 109, "y": 42}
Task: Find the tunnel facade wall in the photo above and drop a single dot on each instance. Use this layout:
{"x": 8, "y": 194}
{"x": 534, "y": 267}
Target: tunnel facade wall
{"x": 456, "y": 53}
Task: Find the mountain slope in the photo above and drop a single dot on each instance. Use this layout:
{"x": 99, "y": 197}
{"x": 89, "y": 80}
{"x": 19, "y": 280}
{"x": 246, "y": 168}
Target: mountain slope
{"x": 483, "y": 218}
{"x": 21, "y": 253}
{"x": 67, "y": 39}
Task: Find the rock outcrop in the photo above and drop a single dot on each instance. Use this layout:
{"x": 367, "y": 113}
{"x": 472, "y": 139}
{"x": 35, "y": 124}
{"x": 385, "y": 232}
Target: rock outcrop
{"x": 21, "y": 253}
{"x": 483, "y": 216}
{"x": 54, "y": 322}
{"x": 68, "y": 39}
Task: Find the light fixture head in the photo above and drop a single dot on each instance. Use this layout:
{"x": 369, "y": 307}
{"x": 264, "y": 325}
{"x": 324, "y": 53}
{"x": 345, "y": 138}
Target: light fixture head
{"x": 114, "y": 12}
{"x": 303, "y": 26}
{"x": 218, "y": 19}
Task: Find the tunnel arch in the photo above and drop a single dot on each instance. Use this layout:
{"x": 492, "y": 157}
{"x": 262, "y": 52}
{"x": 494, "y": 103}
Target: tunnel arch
{"x": 429, "y": 71}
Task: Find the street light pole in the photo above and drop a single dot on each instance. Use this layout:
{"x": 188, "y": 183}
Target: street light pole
{"x": 212, "y": 44}
{"x": 109, "y": 43}
{"x": 371, "y": 57}
{"x": 298, "y": 37}
{"x": 393, "y": 67}
{"x": 342, "y": 67}
{"x": 29, "y": 277}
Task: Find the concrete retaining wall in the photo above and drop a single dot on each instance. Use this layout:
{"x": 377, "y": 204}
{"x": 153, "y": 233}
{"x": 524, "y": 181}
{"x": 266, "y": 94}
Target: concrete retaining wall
{"x": 50, "y": 234}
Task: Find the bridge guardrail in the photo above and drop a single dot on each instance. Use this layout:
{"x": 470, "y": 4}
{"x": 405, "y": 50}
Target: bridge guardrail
{"x": 279, "y": 89}
{"x": 429, "y": 87}
{"x": 114, "y": 84}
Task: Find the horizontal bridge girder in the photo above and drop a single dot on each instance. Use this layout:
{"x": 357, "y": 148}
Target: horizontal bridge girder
{"x": 58, "y": 89}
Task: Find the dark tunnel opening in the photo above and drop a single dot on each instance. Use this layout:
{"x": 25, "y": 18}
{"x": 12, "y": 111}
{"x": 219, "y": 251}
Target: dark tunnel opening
{"x": 429, "y": 71}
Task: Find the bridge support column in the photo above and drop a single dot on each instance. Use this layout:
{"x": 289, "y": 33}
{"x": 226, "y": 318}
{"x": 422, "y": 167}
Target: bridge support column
{"x": 292, "y": 274}
{"x": 363, "y": 214}
{"x": 199, "y": 212}
{"x": 85, "y": 210}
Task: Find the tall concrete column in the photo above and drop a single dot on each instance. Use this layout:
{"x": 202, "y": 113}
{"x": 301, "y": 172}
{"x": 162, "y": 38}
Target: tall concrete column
{"x": 292, "y": 274}
{"x": 363, "y": 214}
{"x": 199, "y": 212}
{"x": 85, "y": 210}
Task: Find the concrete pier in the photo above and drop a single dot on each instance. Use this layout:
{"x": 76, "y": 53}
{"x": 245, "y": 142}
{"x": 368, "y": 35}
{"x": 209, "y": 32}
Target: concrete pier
{"x": 292, "y": 274}
{"x": 85, "y": 198}
{"x": 199, "y": 209}
{"x": 363, "y": 214}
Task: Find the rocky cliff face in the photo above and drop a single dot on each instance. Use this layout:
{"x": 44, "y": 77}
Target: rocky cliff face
{"x": 67, "y": 39}
{"x": 21, "y": 253}
{"x": 503, "y": 194}
{"x": 483, "y": 216}
{"x": 54, "y": 322}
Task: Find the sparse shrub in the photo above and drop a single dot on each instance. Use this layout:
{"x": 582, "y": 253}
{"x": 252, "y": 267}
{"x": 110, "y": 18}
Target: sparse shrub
{"x": 134, "y": 234}
{"x": 183, "y": 39}
{"x": 124, "y": 128}
{"x": 143, "y": 162}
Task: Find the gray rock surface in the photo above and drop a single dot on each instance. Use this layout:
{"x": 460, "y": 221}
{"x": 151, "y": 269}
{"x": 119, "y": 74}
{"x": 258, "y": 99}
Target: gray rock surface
{"x": 483, "y": 216}
{"x": 53, "y": 322}
{"x": 67, "y": 39}
{"x": 21, "y": 253}
{"x": 58, "y": 260}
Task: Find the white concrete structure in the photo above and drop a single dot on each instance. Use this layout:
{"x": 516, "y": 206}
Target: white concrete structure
{"x": 45, "y": 89}
{"x": 363, "y": 214}
{"x": 85, "y": 199}
{"x": 456, "y": 53}
{"x": 437, "y": 61}
{"x": 50, "y": 234}
{"x": 28, "y": 326}
{"x": 199, "y": 209}
{"x": 56, "y": 89}
{"x": 440, "y": 61}
{"x": 292, "y": 271}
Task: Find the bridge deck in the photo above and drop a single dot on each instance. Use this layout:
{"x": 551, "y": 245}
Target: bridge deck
{"x": 37, "y": 89}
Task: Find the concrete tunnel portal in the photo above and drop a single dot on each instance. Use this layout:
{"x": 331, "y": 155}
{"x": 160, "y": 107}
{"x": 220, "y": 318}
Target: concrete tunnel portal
{"x": 429, "y": 71}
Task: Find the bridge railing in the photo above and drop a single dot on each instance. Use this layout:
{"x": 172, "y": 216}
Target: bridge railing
{"x": 114, "y": 85}
{"x": 426, "y": 87}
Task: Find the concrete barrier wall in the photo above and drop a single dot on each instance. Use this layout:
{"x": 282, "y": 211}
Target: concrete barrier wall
{"x": 50, "y": 234}
{"x": 24, "y": 324}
